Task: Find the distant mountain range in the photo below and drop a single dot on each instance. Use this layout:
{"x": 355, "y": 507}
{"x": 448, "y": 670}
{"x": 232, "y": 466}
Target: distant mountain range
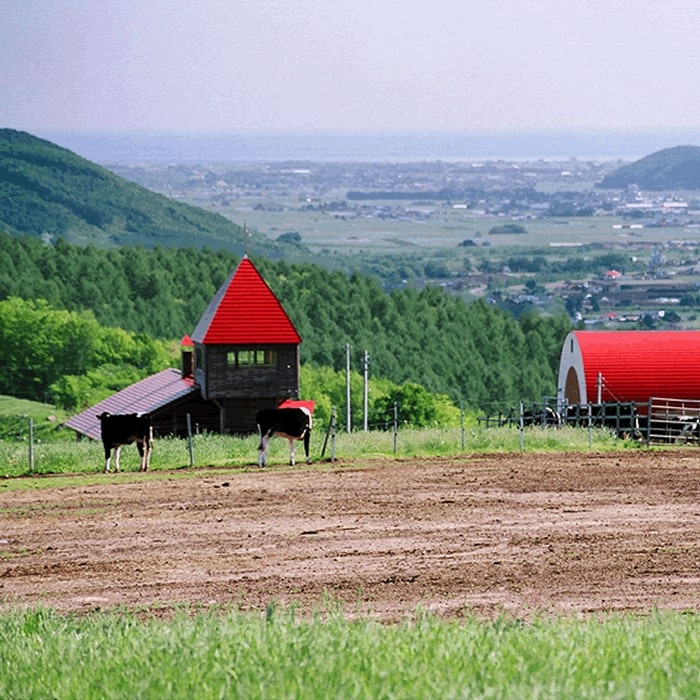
{"x": 669, "y": 169}
{"x": 48, "y": 191}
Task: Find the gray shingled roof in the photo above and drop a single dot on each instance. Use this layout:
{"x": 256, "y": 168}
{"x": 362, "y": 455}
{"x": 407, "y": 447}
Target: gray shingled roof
{"x": 147, "y": 396}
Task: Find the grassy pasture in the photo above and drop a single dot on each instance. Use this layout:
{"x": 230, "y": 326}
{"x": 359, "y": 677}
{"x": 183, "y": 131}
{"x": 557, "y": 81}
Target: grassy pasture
{"x": 15, "y": 414}
{"x": 226, "y": 654}
{"x": 87, "y": 456}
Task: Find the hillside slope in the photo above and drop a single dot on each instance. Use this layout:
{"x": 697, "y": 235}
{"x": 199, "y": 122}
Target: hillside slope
{"x": 675, "y": 168}
{"x": 48, "y": 191}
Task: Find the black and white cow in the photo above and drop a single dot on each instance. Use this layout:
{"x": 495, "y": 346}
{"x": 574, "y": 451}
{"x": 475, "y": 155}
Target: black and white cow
{"x": 672, "y": 428}
{"x": 621, "y": 419}
{"x": 291, "y": 423}
{"x": 540, "y": 415}
{"x": 123, "y": 429}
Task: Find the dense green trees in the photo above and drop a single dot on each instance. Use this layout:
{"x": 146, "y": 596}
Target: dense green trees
{"x": 416, "y": 406}
{"x": 475, "y": 353}
{"x": 68, "y": 358}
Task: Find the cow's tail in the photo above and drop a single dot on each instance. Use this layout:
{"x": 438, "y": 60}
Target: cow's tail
{"x": 307, "y": 434}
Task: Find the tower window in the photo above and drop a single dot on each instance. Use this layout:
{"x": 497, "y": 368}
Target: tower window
{"x": 252, "y": 358}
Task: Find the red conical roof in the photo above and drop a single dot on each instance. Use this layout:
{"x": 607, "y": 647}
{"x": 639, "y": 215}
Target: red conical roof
{"x": 245, "y": 312}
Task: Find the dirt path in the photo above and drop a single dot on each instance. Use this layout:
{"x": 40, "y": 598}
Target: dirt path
{"x": 521, "y": 534}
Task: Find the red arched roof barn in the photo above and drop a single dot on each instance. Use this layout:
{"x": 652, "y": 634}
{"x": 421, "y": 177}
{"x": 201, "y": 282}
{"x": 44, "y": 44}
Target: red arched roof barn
{"x": 600, "y": 366}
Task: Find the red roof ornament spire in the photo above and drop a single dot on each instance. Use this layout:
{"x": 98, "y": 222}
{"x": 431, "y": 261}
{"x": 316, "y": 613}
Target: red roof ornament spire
{"x": 245, "y": 311}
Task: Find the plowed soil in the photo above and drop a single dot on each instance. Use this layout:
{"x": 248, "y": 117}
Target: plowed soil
{"x": 518, "y": 534}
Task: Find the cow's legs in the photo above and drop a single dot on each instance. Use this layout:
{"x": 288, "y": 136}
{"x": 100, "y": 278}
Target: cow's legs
{"x": 262, "y": 450}
{"x": 148, "y": 446}
{"x": 108, "y": 454}
{"x": 292, "y": 443}
{"x": 145, "y": 453}
{"x": 117, "y": 451}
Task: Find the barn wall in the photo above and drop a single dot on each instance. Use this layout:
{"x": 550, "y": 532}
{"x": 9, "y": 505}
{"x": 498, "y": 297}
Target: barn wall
{"x": 227, "y": 416}
{"x": 571, "y": 384}
{"x": 239, "y": 415}
{"x": 218, "y": 380}
{"x": 204, "y": 417}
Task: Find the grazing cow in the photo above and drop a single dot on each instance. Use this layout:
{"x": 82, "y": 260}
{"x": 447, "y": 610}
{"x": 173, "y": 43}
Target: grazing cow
{"x": 689, "y": 429}
{"x": 621, "y": 419}
{"x": 540, "y": 415}
{"x": 291, "y": 423}
{"x": 673, "y": 428}
{"x": 123, "y": 429}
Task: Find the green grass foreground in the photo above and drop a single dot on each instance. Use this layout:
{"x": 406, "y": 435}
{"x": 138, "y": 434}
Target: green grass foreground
{"x": 227, "y": 654}
{"x": 86, "y": 456}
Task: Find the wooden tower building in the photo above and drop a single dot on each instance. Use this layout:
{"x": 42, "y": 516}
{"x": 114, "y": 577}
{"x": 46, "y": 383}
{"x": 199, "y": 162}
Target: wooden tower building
{"x": 246, "y": 350}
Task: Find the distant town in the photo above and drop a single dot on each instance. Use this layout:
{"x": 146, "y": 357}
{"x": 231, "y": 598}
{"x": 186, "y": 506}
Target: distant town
{"x": 504, "y": 217}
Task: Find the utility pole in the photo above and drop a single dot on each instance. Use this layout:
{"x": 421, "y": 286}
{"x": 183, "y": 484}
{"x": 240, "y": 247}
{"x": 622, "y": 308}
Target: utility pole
{"x": 366, "y": 387}
{"x": 348, "y": 415}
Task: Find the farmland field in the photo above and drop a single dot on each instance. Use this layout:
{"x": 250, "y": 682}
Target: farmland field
{"x": 443, "y": 229}
{"x": 520, "y": 534}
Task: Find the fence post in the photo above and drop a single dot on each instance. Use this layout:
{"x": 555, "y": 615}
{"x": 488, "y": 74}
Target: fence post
{"x": 461, "y": 420}
{"x": 189, "y": 439}
{"x": 365, "y": 388}
{"x": 330, "y": 432}
{"x": 396, "y": 424}
{"x": 348, "y": 414}
{"x": 522, "y": 427}
{"x": 333, "y": 434}
{"x": 590, "y": 427}
{"x": 31, "y": 445}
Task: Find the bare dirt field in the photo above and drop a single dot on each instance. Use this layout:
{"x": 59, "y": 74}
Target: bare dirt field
{"x": 518, "y": 534}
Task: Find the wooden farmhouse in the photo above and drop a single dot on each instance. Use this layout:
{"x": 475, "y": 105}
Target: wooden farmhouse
{"x": 242, "y": 356}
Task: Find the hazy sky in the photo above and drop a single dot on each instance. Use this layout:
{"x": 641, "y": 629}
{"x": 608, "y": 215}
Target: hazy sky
{"x": 348, "y": 65}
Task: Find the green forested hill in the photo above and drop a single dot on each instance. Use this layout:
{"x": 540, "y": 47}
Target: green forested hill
{"x": 85, "y": 240}
{"x": 477, "y": 353}
{"x": 669, "y": 169}
{"x": 48, "y": 191}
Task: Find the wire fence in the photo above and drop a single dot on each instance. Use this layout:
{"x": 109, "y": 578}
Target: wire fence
{"x": 532, "y": 425}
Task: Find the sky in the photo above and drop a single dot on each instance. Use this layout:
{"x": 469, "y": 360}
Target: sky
{"x": 221, "y": 66}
